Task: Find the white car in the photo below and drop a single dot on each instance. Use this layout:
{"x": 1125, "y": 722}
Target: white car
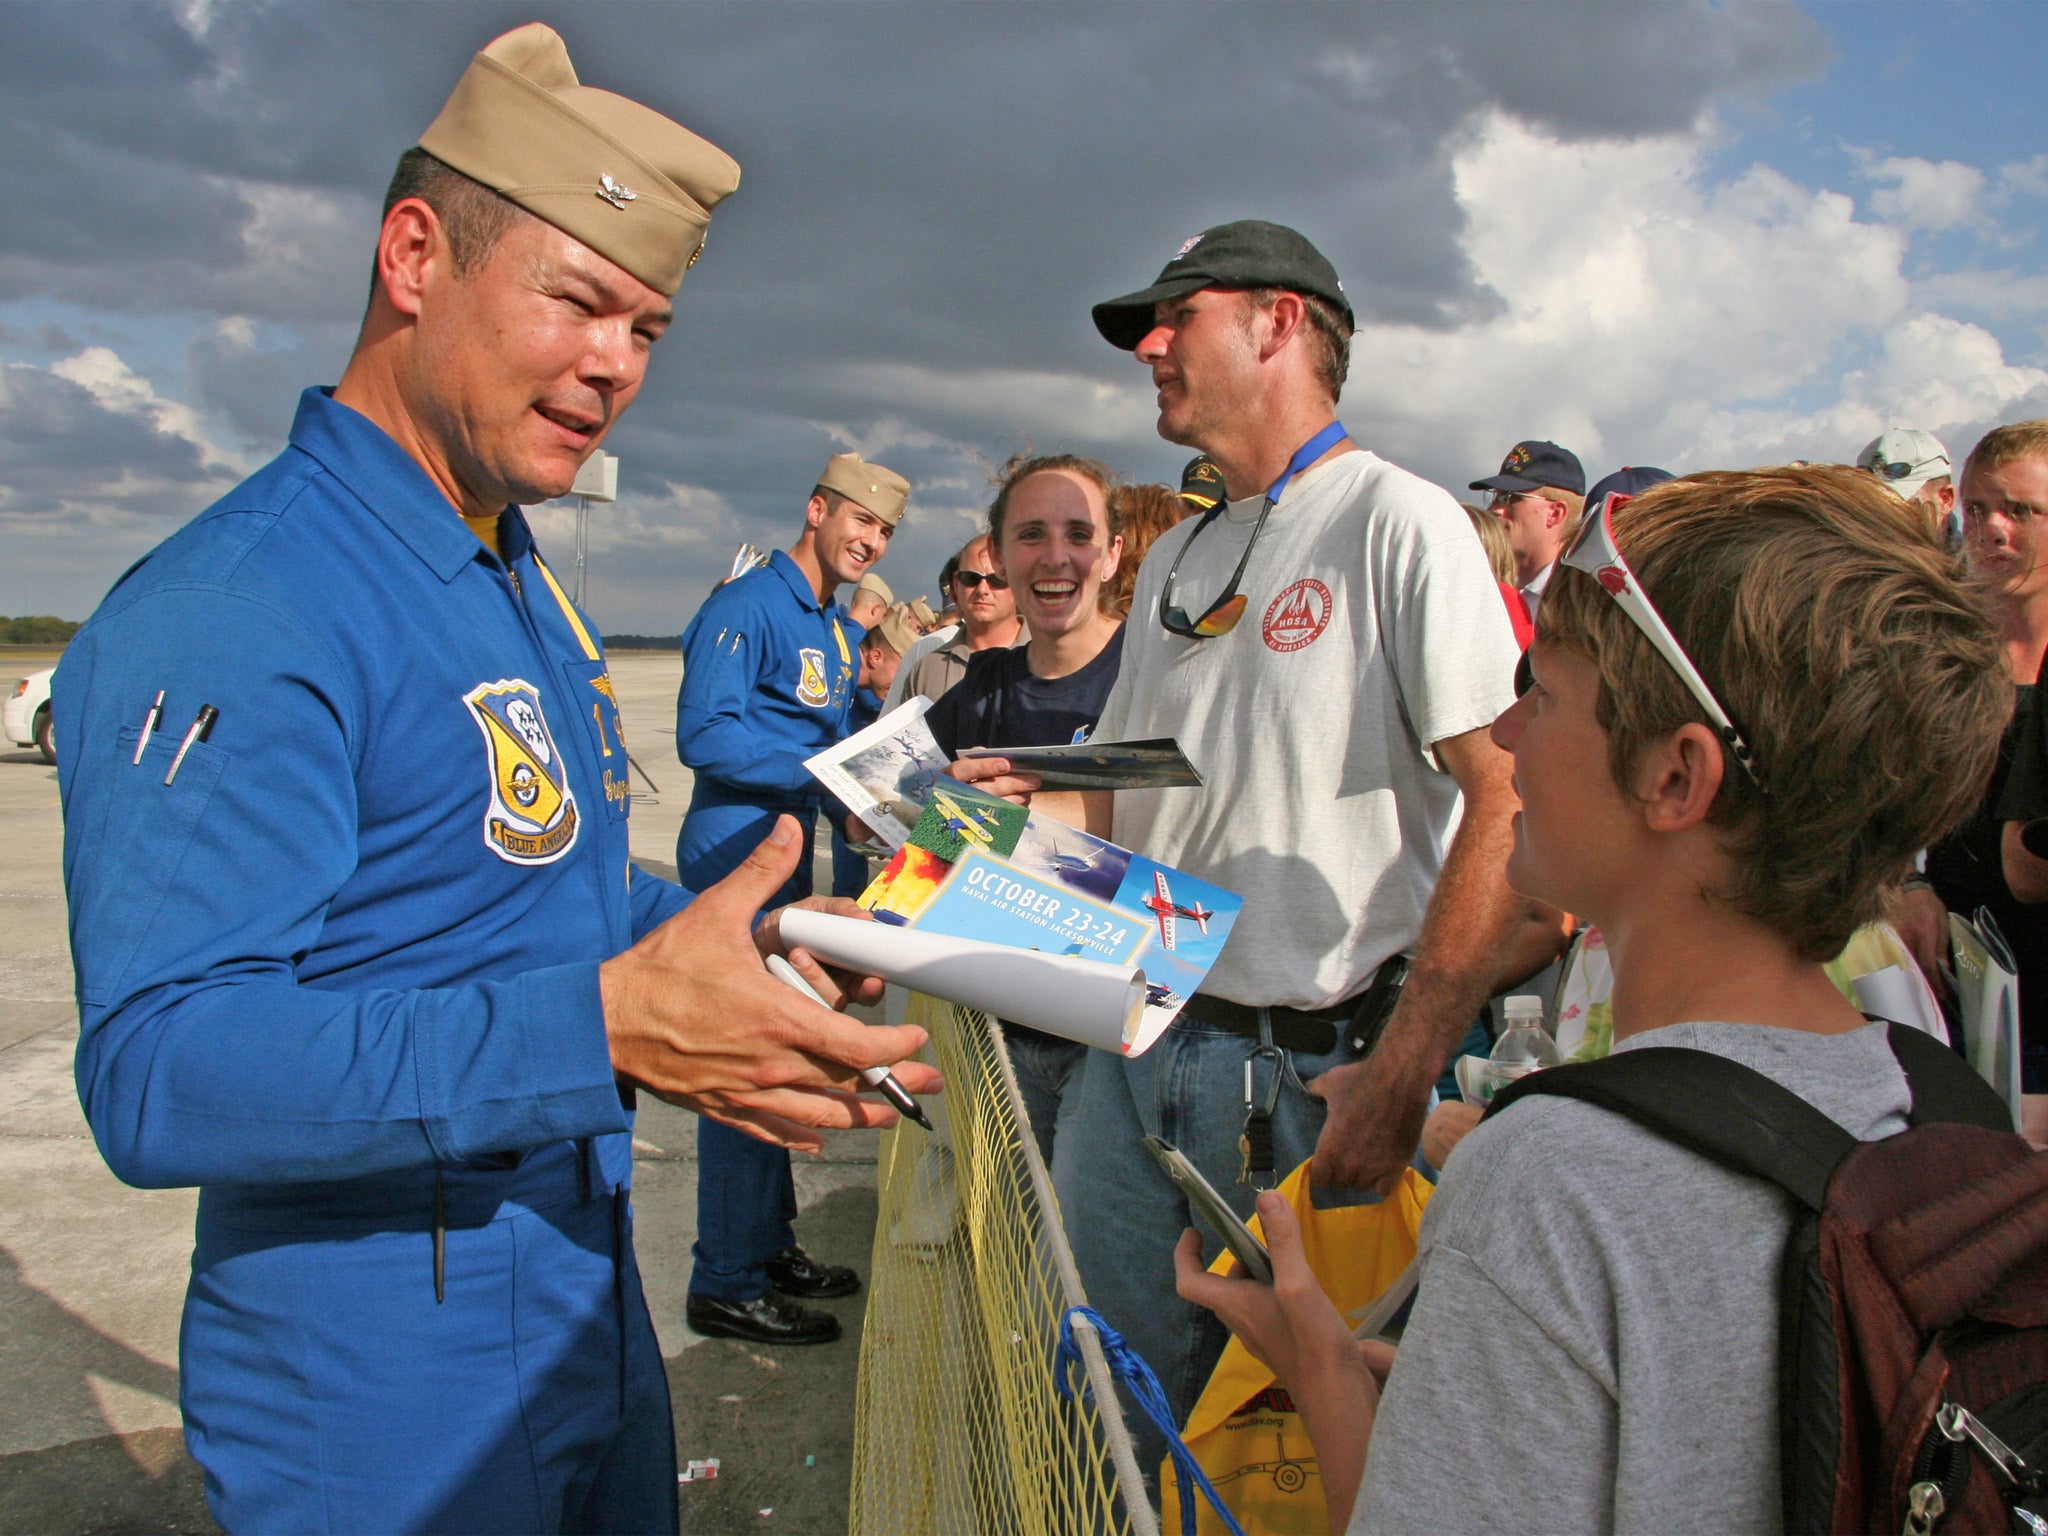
{"x": 25, "y": 716}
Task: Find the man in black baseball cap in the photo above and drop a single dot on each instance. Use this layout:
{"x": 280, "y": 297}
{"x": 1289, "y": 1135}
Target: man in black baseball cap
{"x": 1538, "y": 496}
{"x": 1247, "y": 254}
{"x": 1311, "y": 620}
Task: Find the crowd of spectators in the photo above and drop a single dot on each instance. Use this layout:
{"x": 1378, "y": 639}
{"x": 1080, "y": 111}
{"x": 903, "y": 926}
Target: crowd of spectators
{"x": 1729, "y": 722}
{"x": 1357, "y": 793}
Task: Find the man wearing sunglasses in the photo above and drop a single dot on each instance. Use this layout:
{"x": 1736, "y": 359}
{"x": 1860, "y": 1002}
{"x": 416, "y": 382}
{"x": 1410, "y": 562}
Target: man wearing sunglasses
{"x": 988, "y": 619}
{"x": 1329, "y": 647}
{"x": 1915, "y": 466}
{"x": 1538, "y": 496}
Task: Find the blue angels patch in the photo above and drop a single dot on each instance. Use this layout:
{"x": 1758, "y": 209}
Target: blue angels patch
{"x": 531, "y": 818}
{"x": 811, "y": 687}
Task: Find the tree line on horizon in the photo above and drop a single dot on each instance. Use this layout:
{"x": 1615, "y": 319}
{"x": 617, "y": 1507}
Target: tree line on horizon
{"x": 37, "y": 629}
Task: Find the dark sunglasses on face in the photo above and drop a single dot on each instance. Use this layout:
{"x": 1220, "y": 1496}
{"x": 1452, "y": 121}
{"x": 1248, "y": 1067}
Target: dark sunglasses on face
{"x": 972, "y": 579}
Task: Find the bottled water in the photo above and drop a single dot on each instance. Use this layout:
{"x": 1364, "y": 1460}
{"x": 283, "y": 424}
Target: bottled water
{"x": 1525, "y": 1044}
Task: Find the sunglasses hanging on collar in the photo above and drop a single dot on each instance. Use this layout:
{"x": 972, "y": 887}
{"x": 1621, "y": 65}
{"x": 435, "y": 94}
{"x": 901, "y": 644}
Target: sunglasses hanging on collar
{"x": 1221, "y": 616}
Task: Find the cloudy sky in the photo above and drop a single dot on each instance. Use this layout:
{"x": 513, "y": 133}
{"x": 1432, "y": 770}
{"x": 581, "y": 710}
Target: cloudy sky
{"x": 1686, "y": 234}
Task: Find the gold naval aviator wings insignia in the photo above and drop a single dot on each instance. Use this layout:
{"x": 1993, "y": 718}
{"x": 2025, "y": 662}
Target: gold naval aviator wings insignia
{"x": 531, "y": 817}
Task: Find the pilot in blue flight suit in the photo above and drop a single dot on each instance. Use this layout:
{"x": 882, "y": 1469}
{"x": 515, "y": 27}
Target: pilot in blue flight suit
{"x": 769, "y": 673}
{"x": 358, "y": 948}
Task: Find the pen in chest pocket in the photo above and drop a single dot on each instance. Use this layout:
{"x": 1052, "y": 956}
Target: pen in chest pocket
{"x": 200, "y": 729}
{"x": 149, "y": 725}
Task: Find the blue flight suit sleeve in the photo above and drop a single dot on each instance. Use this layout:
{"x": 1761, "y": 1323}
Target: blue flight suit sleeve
{"x": 721, "y": 669}
{"x": 202, "y": 1059}
{"x": 654, "y": 900}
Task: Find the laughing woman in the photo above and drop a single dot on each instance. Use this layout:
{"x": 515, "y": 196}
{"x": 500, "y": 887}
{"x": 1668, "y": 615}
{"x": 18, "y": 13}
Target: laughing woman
{"x": 1056, "y": 541}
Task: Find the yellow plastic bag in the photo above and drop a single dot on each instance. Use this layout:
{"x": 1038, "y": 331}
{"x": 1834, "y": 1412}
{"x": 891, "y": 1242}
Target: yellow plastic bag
{"x": 1244, "y": 1430}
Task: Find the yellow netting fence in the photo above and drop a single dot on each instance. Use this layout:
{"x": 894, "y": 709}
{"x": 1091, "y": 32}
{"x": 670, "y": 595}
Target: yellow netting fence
{"x": 959, "y": 1430}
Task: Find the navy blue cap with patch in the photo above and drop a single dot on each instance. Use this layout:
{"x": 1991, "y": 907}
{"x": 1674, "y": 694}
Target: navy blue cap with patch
{"x": 1533, "y": 464}
{"x": 1627, "y": 482}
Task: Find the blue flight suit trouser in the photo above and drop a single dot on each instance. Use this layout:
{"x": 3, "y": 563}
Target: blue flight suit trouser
{"x": 746, "y": 1197}
{"x": 849, "y": 869}
{"x": 325, "y": 1390}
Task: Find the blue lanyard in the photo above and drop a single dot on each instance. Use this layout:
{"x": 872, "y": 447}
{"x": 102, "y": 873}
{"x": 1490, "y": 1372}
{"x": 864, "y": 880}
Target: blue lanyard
{"x": 1306, "y": 455}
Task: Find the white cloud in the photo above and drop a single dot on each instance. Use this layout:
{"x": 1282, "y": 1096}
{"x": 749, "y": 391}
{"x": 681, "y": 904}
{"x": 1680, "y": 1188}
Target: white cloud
{"x": 1652, "y": 315}
{"x": 1052, "y": 407}
{"x": 1999, "y": 295}
{"x": 1925, "y": 194}
{"x": 101, "y": 373}
{"x": 2024, "y": 177}
{"x": 685, "y": 518}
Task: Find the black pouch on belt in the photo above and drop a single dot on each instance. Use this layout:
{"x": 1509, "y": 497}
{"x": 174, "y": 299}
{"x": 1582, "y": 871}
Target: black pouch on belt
{"x": 1376, "y": 1006}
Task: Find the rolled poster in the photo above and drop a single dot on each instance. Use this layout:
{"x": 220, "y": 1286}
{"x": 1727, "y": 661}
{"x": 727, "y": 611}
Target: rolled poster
{"x": 1083, "y": 1000}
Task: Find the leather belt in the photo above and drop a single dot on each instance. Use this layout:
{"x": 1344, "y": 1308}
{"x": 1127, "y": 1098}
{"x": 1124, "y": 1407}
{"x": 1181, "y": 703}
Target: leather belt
{"x": 1313, "y": 1031}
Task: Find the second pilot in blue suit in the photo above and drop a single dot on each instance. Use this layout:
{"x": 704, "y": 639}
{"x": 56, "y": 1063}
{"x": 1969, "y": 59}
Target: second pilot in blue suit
{"x": 770, "y": 667}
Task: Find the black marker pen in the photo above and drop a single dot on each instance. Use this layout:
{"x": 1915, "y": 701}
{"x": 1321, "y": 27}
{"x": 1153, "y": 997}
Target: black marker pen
{"x": 202, "y": 725}
{"x": 879, "y": 1078}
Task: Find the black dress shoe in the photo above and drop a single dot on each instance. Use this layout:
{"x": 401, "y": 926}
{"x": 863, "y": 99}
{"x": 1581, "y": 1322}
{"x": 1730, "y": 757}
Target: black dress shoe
{"x": 795, "y": 1273}
{"x": 764, "y": 1320}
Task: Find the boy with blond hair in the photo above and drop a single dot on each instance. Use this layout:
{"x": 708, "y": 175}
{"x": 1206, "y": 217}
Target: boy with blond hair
{"x": 1755, "y": 697}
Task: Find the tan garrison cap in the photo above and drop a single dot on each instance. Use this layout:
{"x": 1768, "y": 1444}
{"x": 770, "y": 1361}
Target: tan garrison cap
{"x": 633, "y": 186}
{"x": 922, "y": 612}
{"x": 881, "y": 491}
{"x": 872, "y": 582}
{"x": 896, "y": 629}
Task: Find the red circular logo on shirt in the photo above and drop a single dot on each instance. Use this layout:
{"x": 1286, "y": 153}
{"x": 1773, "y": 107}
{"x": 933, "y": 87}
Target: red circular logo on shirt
{"x": 1297, "y": 616}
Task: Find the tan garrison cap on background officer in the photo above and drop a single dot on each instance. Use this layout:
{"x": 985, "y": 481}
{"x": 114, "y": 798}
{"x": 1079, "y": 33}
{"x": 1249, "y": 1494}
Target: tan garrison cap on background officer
{"x": 633, "y": 186}
{"x": 899, "y": 629}
{"x": 872, "y": 582}
{"x": 882, "y": 491}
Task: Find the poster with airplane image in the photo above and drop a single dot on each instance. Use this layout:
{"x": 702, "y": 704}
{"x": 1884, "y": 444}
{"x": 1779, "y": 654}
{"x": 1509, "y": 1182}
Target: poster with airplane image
{"x": 885, "y": 774}
{"x": 970, "y": 871}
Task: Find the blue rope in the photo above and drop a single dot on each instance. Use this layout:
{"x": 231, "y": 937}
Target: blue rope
{"x": 1129, "y": 1367}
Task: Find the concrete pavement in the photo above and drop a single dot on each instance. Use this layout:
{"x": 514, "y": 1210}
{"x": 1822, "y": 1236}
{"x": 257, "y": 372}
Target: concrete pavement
{"x": 92, "y": 1273}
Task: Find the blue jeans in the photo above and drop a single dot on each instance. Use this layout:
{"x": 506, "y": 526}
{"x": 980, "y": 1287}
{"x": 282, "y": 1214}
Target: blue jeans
{"x": 1047, "y": 1068}
{"x": 1122, "y": 1214}
{"x": 746, "y": 1199}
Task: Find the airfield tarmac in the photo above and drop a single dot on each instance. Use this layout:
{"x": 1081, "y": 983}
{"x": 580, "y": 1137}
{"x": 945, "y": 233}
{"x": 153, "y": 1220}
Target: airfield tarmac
{"x": 92, "y": 1273}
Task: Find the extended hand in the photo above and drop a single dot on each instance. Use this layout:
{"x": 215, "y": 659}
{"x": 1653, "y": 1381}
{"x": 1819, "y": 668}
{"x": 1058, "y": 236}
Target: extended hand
{"x": 837, "y": 987}
{"x": 993, "y": 775}
{"x": 1375, "y": 1121}
{"x": 1290, "y": 1325}
{"x": 1448, "y": 1124}
{"x": 693, "y": 1016}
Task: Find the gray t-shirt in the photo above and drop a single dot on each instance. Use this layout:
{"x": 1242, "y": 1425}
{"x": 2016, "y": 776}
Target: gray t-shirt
{"x": 1374, "y": 630}
{"x": 1595, "y": 1343}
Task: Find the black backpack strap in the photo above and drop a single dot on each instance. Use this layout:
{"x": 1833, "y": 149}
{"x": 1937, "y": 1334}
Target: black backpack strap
{"x": 1710, "y": 1105}
{"x": 1945, "y": 1087}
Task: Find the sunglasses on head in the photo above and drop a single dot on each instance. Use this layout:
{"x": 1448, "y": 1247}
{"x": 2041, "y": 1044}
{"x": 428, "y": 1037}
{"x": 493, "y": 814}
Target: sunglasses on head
{"x": 1595, "y": 552}
{"x": 1221, "y": 616}
{"x": 973, "y": 579}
